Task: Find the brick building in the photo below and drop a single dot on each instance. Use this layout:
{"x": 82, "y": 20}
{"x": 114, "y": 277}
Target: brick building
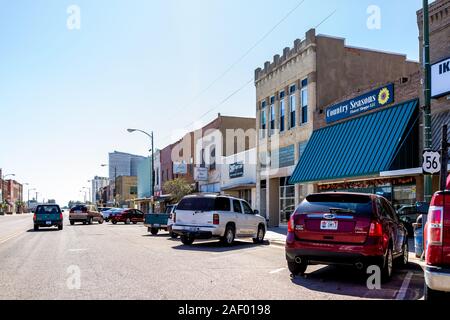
{"x": 293, "y": 93}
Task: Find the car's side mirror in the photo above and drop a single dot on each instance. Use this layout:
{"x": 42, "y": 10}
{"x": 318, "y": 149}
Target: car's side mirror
{"x": 256, "y": 212}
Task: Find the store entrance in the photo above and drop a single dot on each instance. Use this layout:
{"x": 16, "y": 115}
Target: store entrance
{"x": 287, "y": 200}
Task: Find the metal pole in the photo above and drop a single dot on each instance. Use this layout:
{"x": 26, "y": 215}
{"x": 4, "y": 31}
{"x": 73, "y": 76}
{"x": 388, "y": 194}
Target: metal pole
{"x": 428, "y": 183}
{"x": 444, "y": 156}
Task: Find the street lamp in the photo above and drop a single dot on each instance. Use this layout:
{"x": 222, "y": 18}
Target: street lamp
{"x": 150, "y": 135}
{"x": 89, "y": 193}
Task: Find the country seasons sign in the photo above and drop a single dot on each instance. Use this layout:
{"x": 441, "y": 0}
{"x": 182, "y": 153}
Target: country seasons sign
{"x": 371, "y": 100}
{"x": 440, "y": 78}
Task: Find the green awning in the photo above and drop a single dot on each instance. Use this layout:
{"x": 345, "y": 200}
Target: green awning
{"x": 359, "y": 147}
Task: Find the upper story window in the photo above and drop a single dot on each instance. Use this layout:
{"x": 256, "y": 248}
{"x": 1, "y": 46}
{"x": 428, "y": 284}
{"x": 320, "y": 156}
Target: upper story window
{"x": 263, "y": 120}
{"x": 304, "y": 101}
{"x": 272, "y": 115}
{"x": 282, "y": 111}
{"x": 292, "y": 106}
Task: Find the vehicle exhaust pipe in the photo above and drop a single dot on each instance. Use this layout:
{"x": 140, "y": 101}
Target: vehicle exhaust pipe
{"x": 359, "y": 265}
{"x": 298, "y": 260}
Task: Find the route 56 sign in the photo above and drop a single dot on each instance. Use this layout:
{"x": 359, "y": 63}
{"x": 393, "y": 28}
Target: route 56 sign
{"x": 431, "y": 162}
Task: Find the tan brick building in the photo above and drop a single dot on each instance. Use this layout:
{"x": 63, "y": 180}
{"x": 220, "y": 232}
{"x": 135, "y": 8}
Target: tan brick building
{"x": 126, "y": 190}
{"x": 292, "y": 95}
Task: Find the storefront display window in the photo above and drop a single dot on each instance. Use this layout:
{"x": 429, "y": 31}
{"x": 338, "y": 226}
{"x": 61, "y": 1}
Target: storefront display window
{"x": 287, "y": 200}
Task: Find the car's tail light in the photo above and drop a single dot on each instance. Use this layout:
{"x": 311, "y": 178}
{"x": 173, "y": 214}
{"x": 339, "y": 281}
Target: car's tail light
{"x": 61, "y": 216}
{"x": 291, "y": 224}
{"x": 34, "y": 217}
{"x": 174, "y": 217}
{"x": 84, "y": 210}
{"x": 435, "y": 225}
{"x": 376, "y": 229}
{"x": 216, "y": 218}
{"x": 170, "y": 216}
{"x": 71, "y": 211}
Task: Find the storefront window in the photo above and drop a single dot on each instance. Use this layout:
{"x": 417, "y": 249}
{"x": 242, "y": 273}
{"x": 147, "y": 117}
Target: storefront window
{"x": 287, "y": 200}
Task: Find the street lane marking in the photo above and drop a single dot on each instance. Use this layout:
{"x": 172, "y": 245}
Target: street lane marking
{"x": 11, "y": 236}
{"x": 77, "y": 250}
{"x": 277, "y": 270}
{"x": 403, "y": 290}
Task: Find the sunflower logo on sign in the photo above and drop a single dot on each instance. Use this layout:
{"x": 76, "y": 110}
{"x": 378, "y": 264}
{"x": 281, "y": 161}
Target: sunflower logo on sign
{"x": 384, "y": 96}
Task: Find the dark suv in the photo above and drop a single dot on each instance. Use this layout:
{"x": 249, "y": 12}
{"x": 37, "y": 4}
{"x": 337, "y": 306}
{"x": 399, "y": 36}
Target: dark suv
{"x": 346, "y": 228}
{"x": 48, "y": 216}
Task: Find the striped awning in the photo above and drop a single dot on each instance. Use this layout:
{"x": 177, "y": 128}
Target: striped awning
{"x": 359, "y": 147}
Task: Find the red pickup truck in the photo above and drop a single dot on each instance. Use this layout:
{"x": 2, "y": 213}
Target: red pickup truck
{"x": 437, "y": 247}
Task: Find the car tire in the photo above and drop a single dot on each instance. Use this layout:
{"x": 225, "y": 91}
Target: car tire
{"x": 135, "y": 222}
{"x": 72, "y": 223}
{"x": 127, "y": 221}
{"x": 228, "y": 237}
{"x": 387, "y": 265}
{"x": 36, "y": 228}
{"x": 114, "y": 222}
{"x": 154, "y": 231}
{"x": 100, "y": 221}
{"x": 403, "y": 260}
{"x": 297, "y": 268}
{"x": 107, "y": 220}
{"x": 60, "y": 227}
{"x": 90, "y": 220}
{"x": 173, "y": 235}
{"x": 260, "y": 235}
{"x": 187, "y": 240}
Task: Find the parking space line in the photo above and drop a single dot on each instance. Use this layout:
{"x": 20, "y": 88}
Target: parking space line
{"x": 403, "y": 290}
{"x": 277, "y": 270}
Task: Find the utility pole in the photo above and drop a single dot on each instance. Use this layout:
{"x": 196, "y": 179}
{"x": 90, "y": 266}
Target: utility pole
{"x": 444, "y": 156}
{"x": 428, "y": 187}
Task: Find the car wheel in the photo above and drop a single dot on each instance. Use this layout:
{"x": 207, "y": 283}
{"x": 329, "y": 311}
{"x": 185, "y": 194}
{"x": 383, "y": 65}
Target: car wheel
{"x": 260, "y": 235}
{"x": 173, "y": 235}
{"x": 100, "y": 221}
{"x": 403, "y": 260}
{"x": 114, "y": 222}
{"x": 229, "y": 235}
{"x": 72, "y": 223}
{"x": 387, "y": 265}
{"x": 187, "y": 240}
{"x": 127, "y": 221}
{"x": 90, "y": 220}
{"x": 84, "y": 222}
{"x": 107, "y": 220}
{"x": 297, "y": 268}
{"x": 135, "y": 222}
{"x": 36, "y": 228}
{"x": 154, "y": 231}
{"x": 60, "y": 227}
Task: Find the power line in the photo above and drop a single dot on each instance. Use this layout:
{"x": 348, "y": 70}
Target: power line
{"x": 251, "y": 80}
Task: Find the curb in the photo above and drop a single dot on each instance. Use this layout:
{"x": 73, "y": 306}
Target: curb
{"x": 278, "y": 243}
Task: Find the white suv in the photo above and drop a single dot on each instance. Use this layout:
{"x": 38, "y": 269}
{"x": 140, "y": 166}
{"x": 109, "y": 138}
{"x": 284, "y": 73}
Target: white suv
{"x": 217, "y": 216}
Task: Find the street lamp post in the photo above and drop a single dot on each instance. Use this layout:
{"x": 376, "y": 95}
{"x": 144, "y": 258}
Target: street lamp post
{"x": 150, "y": 135}
{"x": 89, "y": 189}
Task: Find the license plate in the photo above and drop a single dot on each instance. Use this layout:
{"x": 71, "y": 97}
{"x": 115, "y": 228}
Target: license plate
{"x": 328, "y": 225}
{"x": 77, "y": 211}
{"x": 156, "y": 225}
{"x": 48, "y": 223}
{"x": 193, "y": 229}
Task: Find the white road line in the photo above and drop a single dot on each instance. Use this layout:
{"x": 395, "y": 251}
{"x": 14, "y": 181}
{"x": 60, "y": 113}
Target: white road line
{"x": 277, "y": 270}
{"x": 403, "y": 290}
{"x": 77, "y": 250}
{"x": 11, "y": 236}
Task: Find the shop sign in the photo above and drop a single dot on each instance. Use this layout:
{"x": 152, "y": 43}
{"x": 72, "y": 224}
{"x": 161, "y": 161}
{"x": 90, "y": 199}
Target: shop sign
{"x": 201, "y": 174}
{"x": 440, "y": 78}
{"x": 236, "y": 170}
{"x": 179, "y": 168}
{"x": 371, "y": 100}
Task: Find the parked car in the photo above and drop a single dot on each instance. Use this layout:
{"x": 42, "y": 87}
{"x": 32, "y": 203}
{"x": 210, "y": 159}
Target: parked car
{"x": 346, "y": 228}
{"x": 127, "y": 216}
{"x": 408, "y": 214}
{"x": 107, "y": 214}
{"x": 213, "y": 216}
{"x": 437, "y": 249}
{"x": 48, "y": 216}
{"x": 85, "y": 213}
{"x": 171, "y": 211}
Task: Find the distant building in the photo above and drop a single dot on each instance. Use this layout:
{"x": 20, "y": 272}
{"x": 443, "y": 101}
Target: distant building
{"x": 126, "y": 190}
{"x": 98, "y": 183}
{"x": 123, "y": 164}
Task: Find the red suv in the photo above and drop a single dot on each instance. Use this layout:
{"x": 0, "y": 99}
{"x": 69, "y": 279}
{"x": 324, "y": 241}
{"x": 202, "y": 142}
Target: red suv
{"x": 346, "y": 228}
{"x": 437, "y": 250}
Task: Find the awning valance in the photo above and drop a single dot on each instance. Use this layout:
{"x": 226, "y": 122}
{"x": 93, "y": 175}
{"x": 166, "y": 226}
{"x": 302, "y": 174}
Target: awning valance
{"x": 359, "y": 147}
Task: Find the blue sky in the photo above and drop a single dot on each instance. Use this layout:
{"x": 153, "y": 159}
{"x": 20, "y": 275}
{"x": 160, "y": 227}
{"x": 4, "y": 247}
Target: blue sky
{"x": 67, "y": 96}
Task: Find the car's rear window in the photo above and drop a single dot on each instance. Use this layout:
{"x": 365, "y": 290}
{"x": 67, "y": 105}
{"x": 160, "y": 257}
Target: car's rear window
{"x": 205, "y": 204}
{"x": 48, "y": 210}
{"x": 338, "y": 203}
{"x": 79, "y": 207}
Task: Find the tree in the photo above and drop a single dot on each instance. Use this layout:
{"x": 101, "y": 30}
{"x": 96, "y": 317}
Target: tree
{"x": 177, "y": 188}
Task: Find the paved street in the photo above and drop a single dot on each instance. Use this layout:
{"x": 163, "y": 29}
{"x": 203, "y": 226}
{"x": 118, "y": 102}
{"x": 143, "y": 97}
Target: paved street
{"x": 125, "y": 262}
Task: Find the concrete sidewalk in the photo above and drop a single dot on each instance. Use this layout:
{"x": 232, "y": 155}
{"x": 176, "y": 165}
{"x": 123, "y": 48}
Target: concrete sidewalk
{"x": 276, "y": 236}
